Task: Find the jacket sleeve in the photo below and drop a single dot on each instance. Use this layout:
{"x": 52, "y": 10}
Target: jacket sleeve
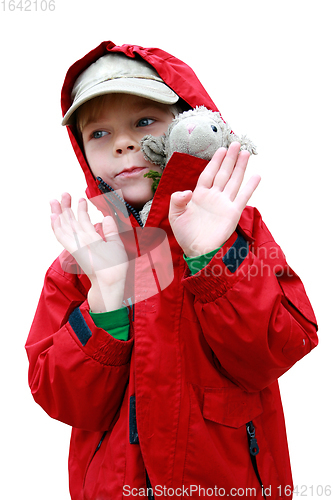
{"x": 77, "y": 372}
{"x": 252, "y": 307}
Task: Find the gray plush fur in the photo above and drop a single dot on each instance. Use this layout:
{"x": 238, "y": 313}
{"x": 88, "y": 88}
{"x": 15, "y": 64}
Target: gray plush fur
{"x": 145, "y": 211}
{"x": 198, "y": 132}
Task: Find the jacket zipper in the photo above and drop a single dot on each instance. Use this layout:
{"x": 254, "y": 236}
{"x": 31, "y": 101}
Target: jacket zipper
{"x": 99, "y": 444}
{"x": 93, "y": 455}
{"x": 105, "y": 188}
{"x": 149, "y": 488}
{"x": 254, "y": 450}
{"x": 134, "y": 438}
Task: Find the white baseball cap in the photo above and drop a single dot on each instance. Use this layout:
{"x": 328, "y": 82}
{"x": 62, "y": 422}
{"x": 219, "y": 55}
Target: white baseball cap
{"x": 117, "y": 73}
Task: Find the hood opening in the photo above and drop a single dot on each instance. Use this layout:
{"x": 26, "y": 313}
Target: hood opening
{"x": 174, "y": 72}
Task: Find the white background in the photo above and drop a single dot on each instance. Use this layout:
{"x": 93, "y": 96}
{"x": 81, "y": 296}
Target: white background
{"x": 268, "y": 67}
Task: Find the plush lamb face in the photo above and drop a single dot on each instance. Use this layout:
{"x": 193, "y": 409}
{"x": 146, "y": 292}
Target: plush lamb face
{"x": 198, "y": 132}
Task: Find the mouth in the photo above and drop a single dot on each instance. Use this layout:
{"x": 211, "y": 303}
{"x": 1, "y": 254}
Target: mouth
{"x": 131, "y": 172}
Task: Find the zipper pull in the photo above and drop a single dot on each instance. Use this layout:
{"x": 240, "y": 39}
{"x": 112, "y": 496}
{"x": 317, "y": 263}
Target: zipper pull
{"x": 254, "y": 448}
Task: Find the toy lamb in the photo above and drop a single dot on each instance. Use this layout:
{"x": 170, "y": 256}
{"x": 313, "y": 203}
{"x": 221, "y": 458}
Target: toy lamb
{"x": 198, "y": 132}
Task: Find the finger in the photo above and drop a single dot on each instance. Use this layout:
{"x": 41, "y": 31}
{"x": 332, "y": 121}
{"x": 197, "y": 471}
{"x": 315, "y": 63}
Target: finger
{"x": 55, "y": 222}
{"x": 84, "y": 219}
{"x": 235, "y": 181}
{"x": 207, "y": 177}
{"x": 227, "y": 167}
{"x": 179, "y": 201}
{"x": 55, "y": 207}
{"x": 57, "y": 218}
{"x": 66, "y": 228}
{"x": 60, "y": 232}
{"x": 109, "y": 227}
{"x": 245, "y": 194}
{"x": 66, "y": 206}
{"x": 66, "y": 200}
{"x": 62, "y": 216}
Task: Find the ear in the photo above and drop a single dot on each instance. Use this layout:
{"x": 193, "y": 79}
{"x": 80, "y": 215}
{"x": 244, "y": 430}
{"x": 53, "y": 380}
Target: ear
{"x": 248, "y": 145}
{"x": 244, "y": 141}
{"x": 227, "y": 135}
{"x": 153, "y": 149}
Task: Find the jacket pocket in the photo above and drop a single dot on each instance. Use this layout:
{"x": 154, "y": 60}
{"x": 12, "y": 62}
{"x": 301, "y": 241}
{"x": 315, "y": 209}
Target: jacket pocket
{"x": 84, "y": 454}
{"x": 96, "y": 450}
{"x": 235, "y": 408}
{"x": 231, "y": 406}
{"x": 217, "y": 449}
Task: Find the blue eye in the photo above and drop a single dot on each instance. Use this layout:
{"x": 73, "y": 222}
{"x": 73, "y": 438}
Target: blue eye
{"x": 214, "y": 129}
{"x": 144, "y": 122}
{"x": 98, "y": 134}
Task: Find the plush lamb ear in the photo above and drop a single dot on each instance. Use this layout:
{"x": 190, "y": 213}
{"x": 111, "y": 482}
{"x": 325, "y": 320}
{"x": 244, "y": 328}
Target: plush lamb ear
{"x": 246, "y": 144}
{"x": 153, "y": 149}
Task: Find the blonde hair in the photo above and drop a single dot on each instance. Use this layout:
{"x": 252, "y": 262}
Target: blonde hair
{"x": 91, "y": 110}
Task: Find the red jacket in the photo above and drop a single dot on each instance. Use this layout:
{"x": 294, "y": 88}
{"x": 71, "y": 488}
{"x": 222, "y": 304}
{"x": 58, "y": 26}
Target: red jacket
{"x": 195, "y": 387}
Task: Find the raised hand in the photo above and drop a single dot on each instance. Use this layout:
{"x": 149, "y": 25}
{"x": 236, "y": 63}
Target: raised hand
{"x": 204, "y": 219}
{"x": 103, "y": 260}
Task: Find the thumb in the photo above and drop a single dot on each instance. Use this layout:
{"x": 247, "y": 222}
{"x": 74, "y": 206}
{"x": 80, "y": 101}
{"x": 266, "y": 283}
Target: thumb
{"x": 178, "y": 202}
{"x": 109, "y": 227}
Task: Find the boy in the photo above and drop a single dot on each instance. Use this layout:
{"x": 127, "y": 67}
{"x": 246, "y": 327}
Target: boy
{"x": 178, "y": 395}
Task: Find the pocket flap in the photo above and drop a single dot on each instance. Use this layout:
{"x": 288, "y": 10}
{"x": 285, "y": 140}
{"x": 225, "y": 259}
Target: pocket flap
{"x": 294, "y": 291}
{"x": 231, "y": 406}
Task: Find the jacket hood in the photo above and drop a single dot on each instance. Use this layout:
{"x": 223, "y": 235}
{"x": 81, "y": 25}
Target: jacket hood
{"x": 175, "y": 73}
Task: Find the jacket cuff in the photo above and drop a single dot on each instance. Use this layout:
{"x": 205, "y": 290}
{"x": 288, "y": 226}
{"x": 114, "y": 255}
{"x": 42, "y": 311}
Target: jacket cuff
{"x": 96, "y": 342}
{"x": 195, "y": 264}
{"x": 116, "y": 322}
{"x": 228, "y": 266}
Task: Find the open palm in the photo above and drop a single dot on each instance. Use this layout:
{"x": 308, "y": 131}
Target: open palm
{"x": 102, "y": 259}
{"x": 204, "y": 219}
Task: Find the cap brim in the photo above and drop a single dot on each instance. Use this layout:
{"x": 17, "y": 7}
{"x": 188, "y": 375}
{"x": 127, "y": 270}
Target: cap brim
{"x": 142, "y": 87}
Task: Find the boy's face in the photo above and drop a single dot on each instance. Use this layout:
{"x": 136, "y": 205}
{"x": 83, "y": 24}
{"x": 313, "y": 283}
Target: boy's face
{"x": 112, "y": 144}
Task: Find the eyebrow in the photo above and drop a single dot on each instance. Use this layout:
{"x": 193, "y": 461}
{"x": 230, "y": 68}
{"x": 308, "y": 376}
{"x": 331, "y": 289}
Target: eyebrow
{"x": 138, "y": 106}
{"x": 146, "y": 104}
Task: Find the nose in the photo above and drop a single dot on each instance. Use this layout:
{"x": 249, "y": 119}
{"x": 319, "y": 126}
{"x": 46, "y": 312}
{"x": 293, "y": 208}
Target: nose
{"x": 123, "y": 144}
{"x": 124, "y": 149}
{"x": 190, "y": 127}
